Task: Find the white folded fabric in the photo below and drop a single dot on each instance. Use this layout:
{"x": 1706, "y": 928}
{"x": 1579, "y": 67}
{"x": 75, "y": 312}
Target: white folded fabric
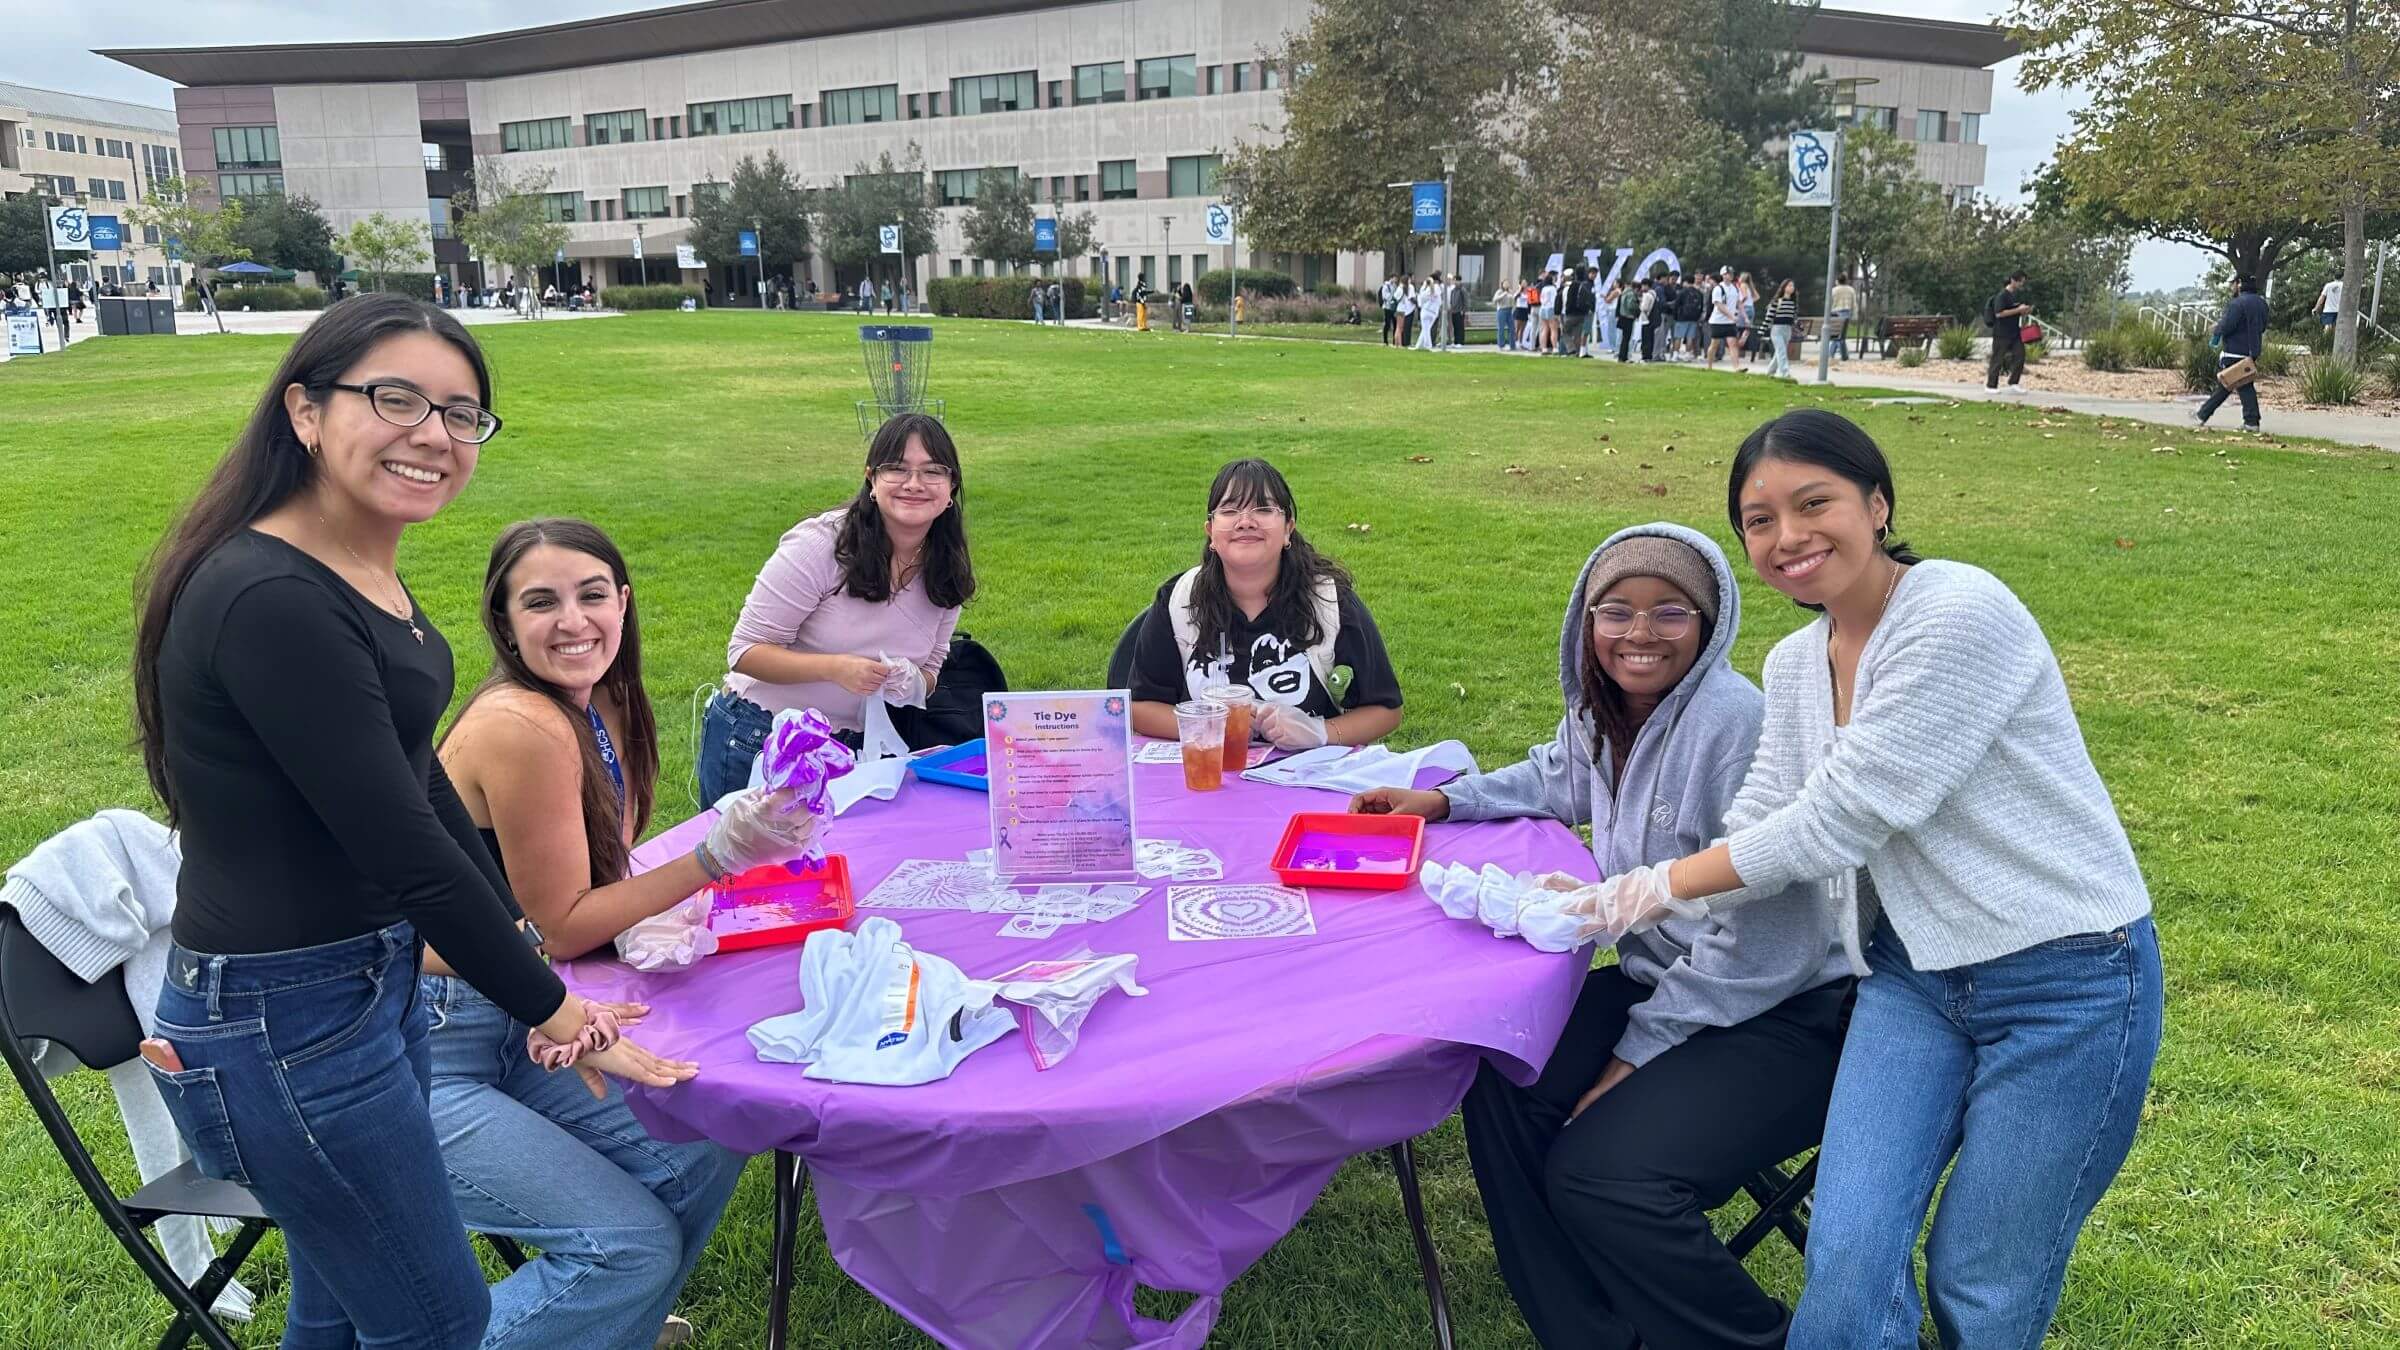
{"x": 876, "y": 1010}
{"x": 1347, "y": 769}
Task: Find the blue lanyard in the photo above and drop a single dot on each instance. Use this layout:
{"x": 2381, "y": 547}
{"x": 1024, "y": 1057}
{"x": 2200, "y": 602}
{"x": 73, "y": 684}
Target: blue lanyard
{"x": 608, "y": 753}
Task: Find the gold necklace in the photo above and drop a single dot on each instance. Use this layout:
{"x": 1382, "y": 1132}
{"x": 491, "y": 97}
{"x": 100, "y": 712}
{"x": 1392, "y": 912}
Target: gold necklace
{"x": 403, "y": 611}
{"x": 1833, "y": 634}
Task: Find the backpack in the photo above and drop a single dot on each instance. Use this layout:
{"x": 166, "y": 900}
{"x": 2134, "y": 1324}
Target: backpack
{"x": 1687, "y": 304}
{"x": 953, "y": 711}
{"x": 1629, "y": 303}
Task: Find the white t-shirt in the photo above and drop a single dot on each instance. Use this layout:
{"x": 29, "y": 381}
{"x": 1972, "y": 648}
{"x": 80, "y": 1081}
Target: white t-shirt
{"x": 1725, "y": 302}
{"x": 1550, "y": 297}
{"x": 2329, "y": 300}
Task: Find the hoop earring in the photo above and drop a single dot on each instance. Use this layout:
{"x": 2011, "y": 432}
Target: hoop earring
{"x": 1881, "y": 531}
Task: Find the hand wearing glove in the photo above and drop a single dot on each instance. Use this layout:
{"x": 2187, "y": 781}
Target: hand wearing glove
{"x": 755, "y": 827}
{"x": 858, "y": 674}
{"x": 1288, "y": 727}
{"x": 904, "y": 687}
{"x": 1630, "y": 902}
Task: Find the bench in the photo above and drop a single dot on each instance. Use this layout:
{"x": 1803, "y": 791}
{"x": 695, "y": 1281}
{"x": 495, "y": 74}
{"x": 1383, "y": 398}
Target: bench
{"x": 1912, "y": 328}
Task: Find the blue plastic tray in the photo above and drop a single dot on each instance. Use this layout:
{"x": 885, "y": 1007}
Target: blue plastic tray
{"x": 959, "y": 766}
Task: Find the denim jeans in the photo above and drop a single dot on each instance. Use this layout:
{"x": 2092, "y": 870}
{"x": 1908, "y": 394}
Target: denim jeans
{"x": 1504, "y": 328}
{"x": 619, "y": 1217}
{"x": 1841, "y": 334}
{"x": 2025, "y": 1075}
{"x": 731, "y": 732}
{"x": 1779, "y": 336}
{"x": 304, "y": 1078}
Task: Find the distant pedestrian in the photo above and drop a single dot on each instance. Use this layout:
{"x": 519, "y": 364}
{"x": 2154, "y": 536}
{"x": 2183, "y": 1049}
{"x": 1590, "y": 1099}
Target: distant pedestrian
{"x": 1405, "y": 312}
{"x": 1037, "y": 295}
{"x": 2006, "y": 314}
{"x": 1389, "y": 294}
{"x": 2329, "y": 303}
{"x": 1724, "y": 317}
{"x": 1429, "y": 314}
{"x": 1845, "y": 304}
{"x": 1058, "y": 303}
{"x": 1630, "y": 298}
{"x": 1504, "y": 316}
{"x": 1455, "y": 304}
{"x": 1782, "y": 313}
{"x": 2240, "y": 334}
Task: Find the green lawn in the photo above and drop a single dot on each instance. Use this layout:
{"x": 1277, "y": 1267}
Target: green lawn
{"x": 2224, "y": 619}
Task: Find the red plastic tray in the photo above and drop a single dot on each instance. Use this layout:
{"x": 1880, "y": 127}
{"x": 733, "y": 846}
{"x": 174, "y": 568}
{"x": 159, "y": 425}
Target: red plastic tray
{"x": 768, "y": 906}
{"x": 1368, "y": 853}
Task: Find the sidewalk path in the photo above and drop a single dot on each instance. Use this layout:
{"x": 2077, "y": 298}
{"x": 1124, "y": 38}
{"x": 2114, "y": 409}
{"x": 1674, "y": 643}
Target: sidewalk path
{"x": 190, "y": 324}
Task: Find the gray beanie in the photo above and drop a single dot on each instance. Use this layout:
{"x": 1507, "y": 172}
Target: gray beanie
{"x": 1654, "y": 555}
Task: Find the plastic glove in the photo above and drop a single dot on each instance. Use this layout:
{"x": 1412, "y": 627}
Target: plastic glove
{"x": 1288, "y": 727}
{"x": 904, "y": 687}
{"x": 758, "y": 826}
{"x": 1634, "y": 901}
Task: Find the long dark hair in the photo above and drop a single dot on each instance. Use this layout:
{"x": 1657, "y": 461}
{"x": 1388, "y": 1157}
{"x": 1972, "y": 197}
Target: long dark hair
{"x": 1826, "y": 440}
{"x": 1612, "y": 713}
{"x": 864, "y": 551}
{"x": 266, "y": 466}
{"x": 637, "y": 754}
{"x": 1291, "y": 604}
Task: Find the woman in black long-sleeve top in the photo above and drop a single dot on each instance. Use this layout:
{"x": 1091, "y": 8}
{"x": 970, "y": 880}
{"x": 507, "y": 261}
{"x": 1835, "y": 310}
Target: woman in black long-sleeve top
{"x": 287, "y": 689}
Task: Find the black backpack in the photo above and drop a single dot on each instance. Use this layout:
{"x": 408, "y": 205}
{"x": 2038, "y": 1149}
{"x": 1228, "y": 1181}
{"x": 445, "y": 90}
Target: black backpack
{"x": 953, "y": 712}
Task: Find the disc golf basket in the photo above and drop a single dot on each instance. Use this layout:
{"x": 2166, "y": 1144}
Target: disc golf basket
{"x": 899, "y": 364}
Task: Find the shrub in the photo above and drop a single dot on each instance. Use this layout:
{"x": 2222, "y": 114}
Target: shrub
{"x": 2325, "y": 380}
{"x": 2150, "y": 346}
{"x": 1004, "y": 297}
{"x": 261, "y": 297}
{"x": 416, "y": 284}
{"x": 2391, "y": 373}
{"x": 2035, "y": 351}
{"x": 1911, "y": 357}
{"x": 2199, "y": 366}
{"x": 1213, "y": 286}
{"x": 650, "y": 297}
{"x": 2274, "y": 358}
{"x": 2104, "y": 350}
{"x": 1956, "y": 342}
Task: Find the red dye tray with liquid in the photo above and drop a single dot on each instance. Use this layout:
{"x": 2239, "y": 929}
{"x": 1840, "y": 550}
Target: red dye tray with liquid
{"x": 775, "y": 904}
{"x": 1368, "y": 853}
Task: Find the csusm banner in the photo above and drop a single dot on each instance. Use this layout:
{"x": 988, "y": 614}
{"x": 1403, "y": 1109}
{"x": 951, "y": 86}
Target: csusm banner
{"x": 1808, "y": 169}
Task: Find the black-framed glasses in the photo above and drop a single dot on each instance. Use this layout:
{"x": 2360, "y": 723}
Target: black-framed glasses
{"x": 1667, "y": 622}
{"x": 895, "y": 473}
{"x": 402, "y": 406}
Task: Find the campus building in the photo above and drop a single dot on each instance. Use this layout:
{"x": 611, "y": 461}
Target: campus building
{"x": 1120, "y": 108}
{"x": 101, "y": 153}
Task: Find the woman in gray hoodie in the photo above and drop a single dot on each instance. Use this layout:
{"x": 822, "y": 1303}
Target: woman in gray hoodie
{"x": 1707, "y": 1051}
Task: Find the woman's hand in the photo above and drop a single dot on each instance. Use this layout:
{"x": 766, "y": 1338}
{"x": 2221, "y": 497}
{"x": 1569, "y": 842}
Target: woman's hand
{"x": 1287, "y": 727}
{"x": 1616, "y": 1072}
{"x": 861, "y": 675}
{"x": 1396, "y": 801}
{"x": 633, "y": 1064}
{"x": 758, "y": 826}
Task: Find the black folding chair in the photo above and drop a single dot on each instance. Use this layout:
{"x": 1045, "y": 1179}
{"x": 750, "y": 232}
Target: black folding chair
{"x": 42, "y": 1000}
{"x": 1120, "y": 661}
{"x": 1782, "y": 1200}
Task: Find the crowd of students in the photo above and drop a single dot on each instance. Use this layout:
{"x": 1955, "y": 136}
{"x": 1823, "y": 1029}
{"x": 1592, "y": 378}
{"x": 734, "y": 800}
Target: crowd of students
{"x": 1905, "y": 919}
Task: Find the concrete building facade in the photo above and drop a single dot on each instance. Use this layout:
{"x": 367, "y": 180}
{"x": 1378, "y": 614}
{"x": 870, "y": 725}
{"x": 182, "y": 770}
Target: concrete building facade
{"x": 1119, "y": 108}
{"x": 101, "y": 152}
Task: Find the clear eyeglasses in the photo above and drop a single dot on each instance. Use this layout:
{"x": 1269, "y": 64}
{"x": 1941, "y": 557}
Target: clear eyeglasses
{"x": 931, "y": 475}
{"x": 1667, "y": 622}
{"x": 1235, "y": 515}
{"x": 405, "y": 407}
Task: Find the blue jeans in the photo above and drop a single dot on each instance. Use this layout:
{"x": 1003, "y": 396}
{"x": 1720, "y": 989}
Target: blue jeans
{"x": 619, "y": 1217}
{"x": 304, "y": 1078}
{"x": 1841, "y": 334}
{"x": 731, "y": 732}
{"x": 1504, "y": 328}
{"x": 2025, "y": 1075}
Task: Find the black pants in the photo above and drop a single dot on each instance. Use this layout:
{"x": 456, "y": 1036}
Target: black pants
{"x": 1391, "y": 320}
{"x": 1601, "y": 1223}
{"x": 1458, "y": 327}
{"x": 2008, "y": 355}
{"x": 1624, "y": 335}
{"x": 2248, "y": 391}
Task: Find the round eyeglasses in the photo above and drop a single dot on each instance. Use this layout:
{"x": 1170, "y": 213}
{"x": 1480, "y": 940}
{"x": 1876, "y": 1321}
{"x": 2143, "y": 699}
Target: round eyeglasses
{"x": 894, "y": 474}
{"x": 1667, "y": 622}
{"x": 405, "y": 407}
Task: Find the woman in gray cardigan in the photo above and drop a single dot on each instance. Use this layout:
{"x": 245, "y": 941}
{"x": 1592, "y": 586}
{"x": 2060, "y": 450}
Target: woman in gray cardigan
{"x": 1920, "y": 755}
{"x": 1707, "y": 1051}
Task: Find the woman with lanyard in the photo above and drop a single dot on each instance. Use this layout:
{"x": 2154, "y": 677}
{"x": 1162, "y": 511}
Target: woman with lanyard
{"x": 1265, "y": 610}
{"x": 1920, "y": 755}
{"x": 855, "y": 604}
{"x": 555, "y": 758}
{"x": 287, "y": 686}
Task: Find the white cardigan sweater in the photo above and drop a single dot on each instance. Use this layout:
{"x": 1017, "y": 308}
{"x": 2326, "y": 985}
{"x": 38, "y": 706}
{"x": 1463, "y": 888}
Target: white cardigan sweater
{"x": 1961, "y": 783}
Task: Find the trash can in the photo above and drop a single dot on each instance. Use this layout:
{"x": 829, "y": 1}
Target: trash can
{"x": 162, "y": 314}
{"x": 114, "y": 320}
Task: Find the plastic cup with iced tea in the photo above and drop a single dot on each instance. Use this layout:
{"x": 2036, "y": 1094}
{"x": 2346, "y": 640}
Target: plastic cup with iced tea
{"x": 1200, "y": 725}
{"x": 1239, "y": 701}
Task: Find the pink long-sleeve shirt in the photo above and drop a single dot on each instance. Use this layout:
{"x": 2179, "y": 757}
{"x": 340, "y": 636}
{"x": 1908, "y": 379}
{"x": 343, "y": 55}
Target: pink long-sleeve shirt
{"x": 798, "y": 603}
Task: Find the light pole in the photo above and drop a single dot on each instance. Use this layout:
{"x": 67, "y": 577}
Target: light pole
{"x": 50, "y": 251}
{"x": 1449, "y": 207}
{"x": 1845, "y": 107}
{"x": 639, "y": 258}
{"x": 1166, "y": 225}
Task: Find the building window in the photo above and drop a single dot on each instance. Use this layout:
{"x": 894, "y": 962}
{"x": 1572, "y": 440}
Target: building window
{"x": 1216, "y": 79}
{"x": 50, "y": 140}
{"x": 1882, "y": 119}
{"x": 992, "y": 93}
{"x": 1970, "y": 128}
{"x": 916, "y": 107}
{"x": 150, "y": 234}
{"x": 116, "y": 190}
{"x": 958, "y": 186}
{"x": 646, "y": 203}
{"x": 82, "y": 146}
{"x": 871, "y": 103}
{"x": 956, "y": 267}
{"x": 1166, "y": 77}
{"x": 231, "y": 185}
{"x": 732, "y": 116}
{"x": 1099, "y": 84}
{"x": 1083, "y": 187}
{"x": 1931, "y": 124}
{"x": 1191, "y": 175}
{"x": 550, "y": 133}
{"x": 933, "y": 104}
{"x": 1117, "y": 181}
{"x": 1270, "y": 75}
{"x": 709, "y": 192}
{"x": 615, "y": 128}
{"x": 1058, "y": 96}
{"x": 99, "y": 189}
{"x": 1241, "y": 77}
{"x": 249, "y": 148}
{"x": 1058, "y": 187}
{"x": 562, "y": 207}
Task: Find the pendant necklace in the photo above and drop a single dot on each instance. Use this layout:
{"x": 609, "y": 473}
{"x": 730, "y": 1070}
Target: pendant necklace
{"x": 404, "y": 611}
{"x": 1834, "y": 634}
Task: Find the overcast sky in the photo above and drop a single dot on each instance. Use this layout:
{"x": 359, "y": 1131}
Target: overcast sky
{"x": 49, "y": 45}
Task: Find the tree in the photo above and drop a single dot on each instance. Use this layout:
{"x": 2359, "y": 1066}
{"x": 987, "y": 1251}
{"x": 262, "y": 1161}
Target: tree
{"x": 288, "y": 231}
{"x": 203, "y": 237}
{"x": 764, "y": 195}
{"x": 504, "y": 218}
{"x": 1378, "y": 91}
{"x": 847, "y": 218}
{"x": 1740, "y": 61}
{"x": 24, "y": 232}
{"x": 2325, "y": 71}
{"x": 999, "y": 226}
{"x": 1603, "y": 121}
{"x": 379, "y": 244}
{"x": 1953, "y": 262}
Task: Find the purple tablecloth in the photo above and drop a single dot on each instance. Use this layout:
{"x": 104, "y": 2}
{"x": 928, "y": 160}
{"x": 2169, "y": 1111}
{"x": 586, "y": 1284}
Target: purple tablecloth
{"x": 1189, "y": 1130}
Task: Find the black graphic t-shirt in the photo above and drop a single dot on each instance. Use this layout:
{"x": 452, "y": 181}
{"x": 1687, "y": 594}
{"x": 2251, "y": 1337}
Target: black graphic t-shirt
{"x": 1275, "y": 667}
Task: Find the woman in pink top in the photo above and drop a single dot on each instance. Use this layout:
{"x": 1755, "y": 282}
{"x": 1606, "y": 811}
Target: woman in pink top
{"x": 856, "y": 604}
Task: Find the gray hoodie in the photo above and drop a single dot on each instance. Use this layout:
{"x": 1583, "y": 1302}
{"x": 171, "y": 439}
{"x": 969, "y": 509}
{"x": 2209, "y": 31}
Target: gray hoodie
{"x": 1688, "y": 761}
